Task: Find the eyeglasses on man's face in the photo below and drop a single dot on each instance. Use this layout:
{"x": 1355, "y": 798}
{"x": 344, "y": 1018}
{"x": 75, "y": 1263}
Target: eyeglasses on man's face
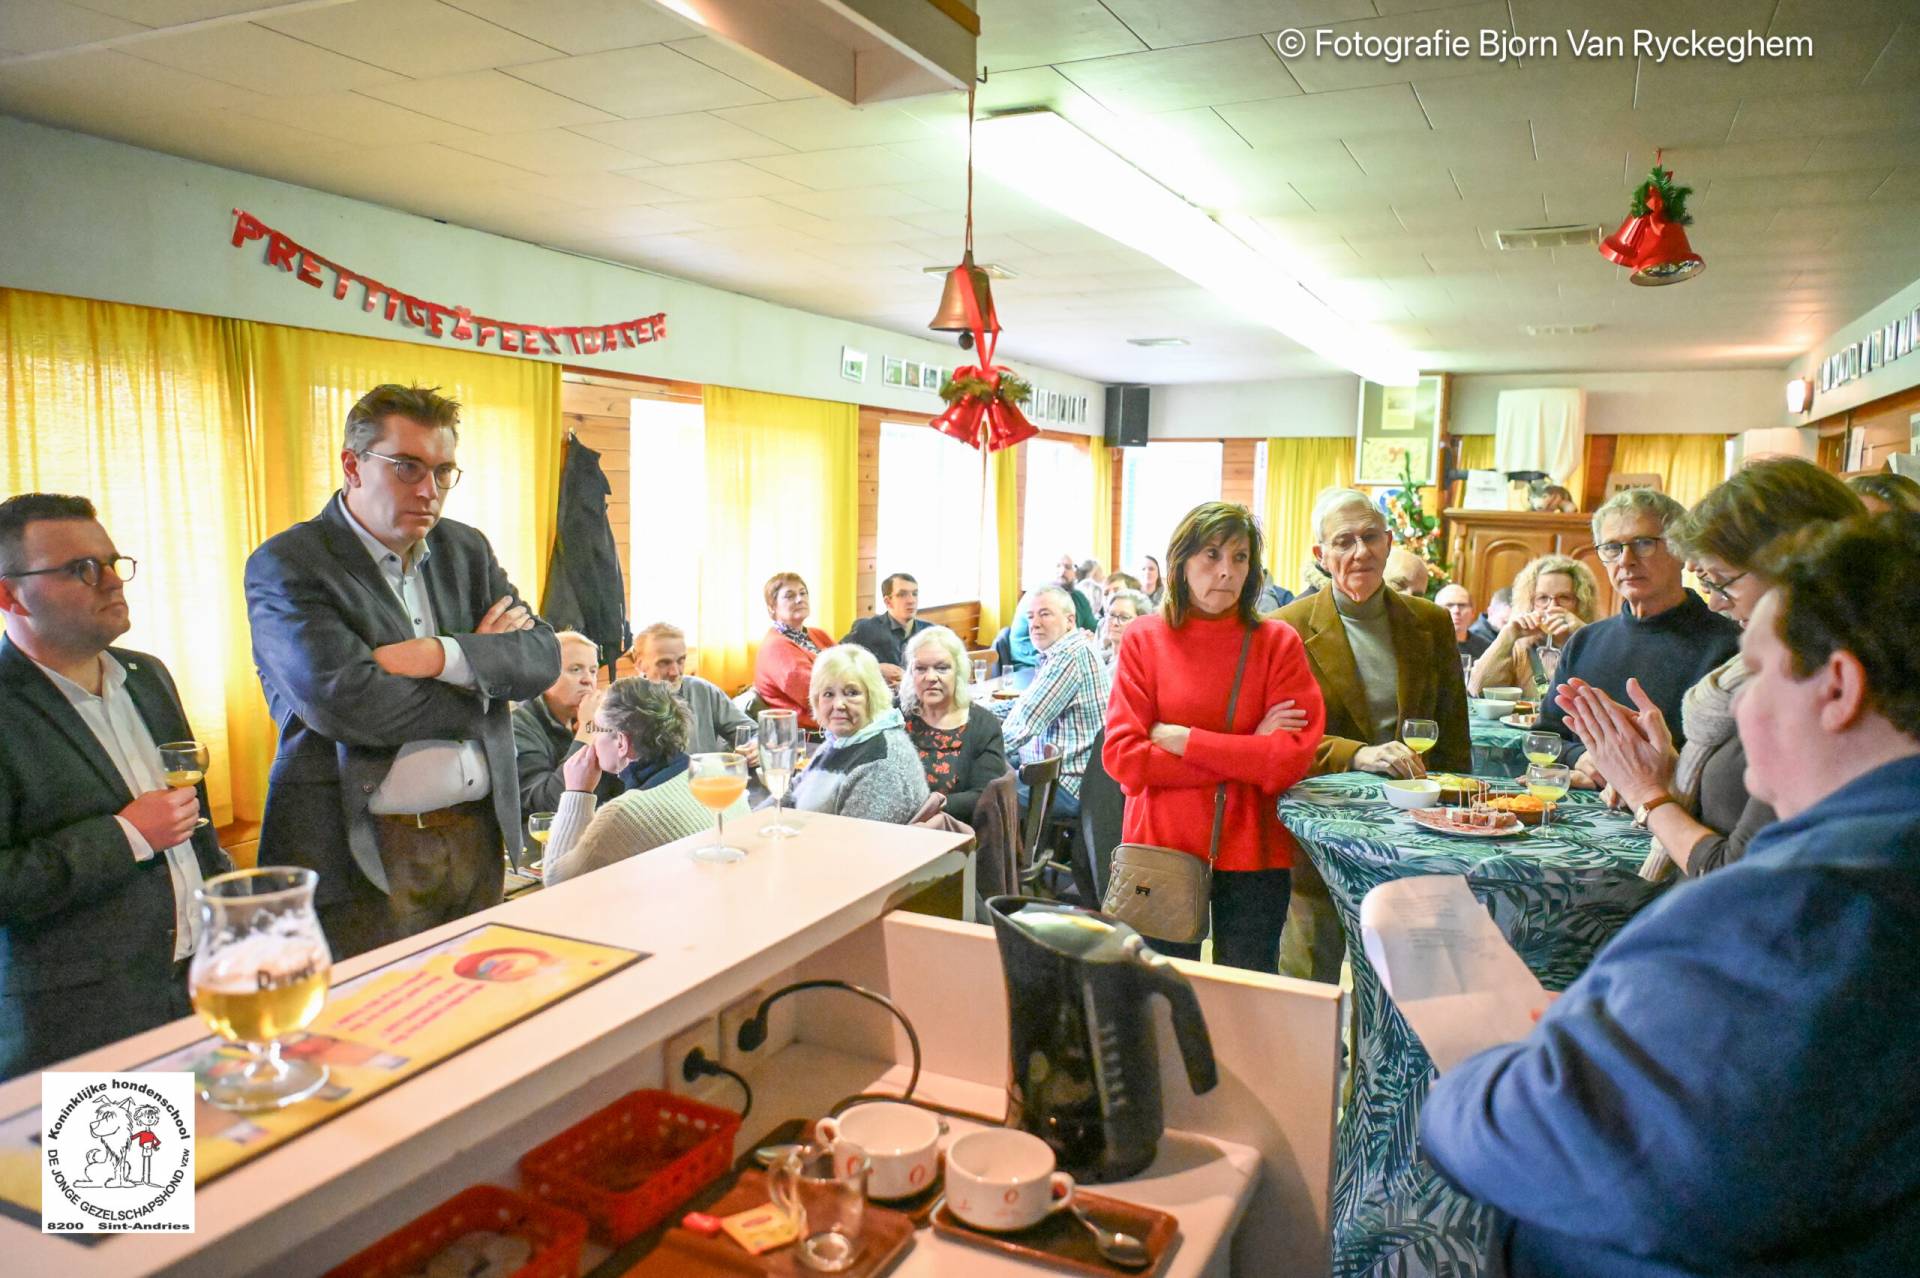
{"x": 86, "y": 571}
{"x": 1610, "y": 551}
{"x": 410, "y": 472}
{"x": 1345, "y": 543}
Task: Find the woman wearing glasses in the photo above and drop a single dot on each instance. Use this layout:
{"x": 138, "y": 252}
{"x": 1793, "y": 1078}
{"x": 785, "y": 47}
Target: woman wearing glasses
{"x": 1694, "y": 799}
{"x": 1553, "y": 596}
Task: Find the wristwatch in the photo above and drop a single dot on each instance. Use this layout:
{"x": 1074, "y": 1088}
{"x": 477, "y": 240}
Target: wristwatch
{"x": 1645, "y": 810}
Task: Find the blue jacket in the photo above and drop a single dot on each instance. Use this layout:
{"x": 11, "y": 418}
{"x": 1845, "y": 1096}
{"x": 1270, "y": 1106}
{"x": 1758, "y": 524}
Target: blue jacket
{"x": 1734, "y": 1086}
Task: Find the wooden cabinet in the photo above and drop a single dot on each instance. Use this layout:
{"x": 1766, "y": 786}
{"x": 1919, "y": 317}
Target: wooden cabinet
{"x": 1488, "y": 548}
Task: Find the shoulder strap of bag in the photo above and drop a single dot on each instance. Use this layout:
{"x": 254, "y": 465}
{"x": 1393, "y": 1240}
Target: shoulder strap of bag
{"x": 1233, "y": 703}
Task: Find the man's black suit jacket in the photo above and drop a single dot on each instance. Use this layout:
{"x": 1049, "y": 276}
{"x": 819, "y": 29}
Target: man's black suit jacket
{"x": 319, "y": 607}
{"x": 86, "y": 931}
{"x": 877, "y": 635}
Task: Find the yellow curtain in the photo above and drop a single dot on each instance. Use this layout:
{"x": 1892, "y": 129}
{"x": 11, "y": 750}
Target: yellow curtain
{"x": 1476, "y": 452}
{"x": 1297, "y": 471}
{"x": 782, "y": 483}
{"x": 199, "y": 437}
{"x": 999, "y": 544}
{"x": 1689, "y": 466}
{"x": 1103, "y": 503}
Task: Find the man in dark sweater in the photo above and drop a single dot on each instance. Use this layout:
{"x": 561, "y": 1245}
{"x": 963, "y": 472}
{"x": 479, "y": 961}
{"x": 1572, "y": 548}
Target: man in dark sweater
{"x": 885, "y": 634}
{"x": 1665, "y": 635}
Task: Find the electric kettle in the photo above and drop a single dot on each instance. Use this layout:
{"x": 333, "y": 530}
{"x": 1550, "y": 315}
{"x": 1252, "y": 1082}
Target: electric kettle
{"x": 1085, "y": 1069}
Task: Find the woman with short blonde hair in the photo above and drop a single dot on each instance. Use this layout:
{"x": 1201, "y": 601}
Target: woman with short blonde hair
{"x": 1553, "y": 596}
{"x": 961, "y": 745}
{"x": 866, "y": 767}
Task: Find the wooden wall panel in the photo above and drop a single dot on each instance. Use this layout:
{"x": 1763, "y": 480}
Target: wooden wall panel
{"x": 866, "y": 583}
{"x": 1236, "y": 471}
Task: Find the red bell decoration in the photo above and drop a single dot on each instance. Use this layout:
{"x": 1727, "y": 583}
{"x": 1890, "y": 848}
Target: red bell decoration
{"x": 983, "y": 399}
{"x": 1652, "y": 242}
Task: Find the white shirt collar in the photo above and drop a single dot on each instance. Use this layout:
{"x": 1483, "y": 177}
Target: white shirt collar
{"x": 113, "y": 678}
{"x": 382, "y": 554}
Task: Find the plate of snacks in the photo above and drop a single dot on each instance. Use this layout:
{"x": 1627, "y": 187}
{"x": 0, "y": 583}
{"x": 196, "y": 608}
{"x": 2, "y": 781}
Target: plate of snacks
{"x": 1455, "y": 788}
{"x": 1518, "y": 720}
{"x": 1524, "y": 806}
{"x": 1469, "y": 823}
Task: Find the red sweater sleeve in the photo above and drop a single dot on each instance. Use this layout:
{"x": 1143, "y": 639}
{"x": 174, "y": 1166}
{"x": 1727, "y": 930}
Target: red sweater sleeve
{"x": 783, "y": 673}
{"x": 1129, "y": 754}
{"x": 1276, "y": 761}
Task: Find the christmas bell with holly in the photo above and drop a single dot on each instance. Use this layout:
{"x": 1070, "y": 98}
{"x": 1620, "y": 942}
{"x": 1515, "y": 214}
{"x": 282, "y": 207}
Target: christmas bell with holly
{"x": 1652, "y": 242}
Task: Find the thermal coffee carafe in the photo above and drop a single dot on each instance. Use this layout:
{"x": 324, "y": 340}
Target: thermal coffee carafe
{"x": 1085, "y": 1070}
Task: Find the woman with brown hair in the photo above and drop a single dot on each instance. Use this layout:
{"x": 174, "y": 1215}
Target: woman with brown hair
{"x": 1694, "y": 799}
{"x": 783, "y": 668}
{"x": 1553, "y": 596}
{"x": 1171, "y": 748}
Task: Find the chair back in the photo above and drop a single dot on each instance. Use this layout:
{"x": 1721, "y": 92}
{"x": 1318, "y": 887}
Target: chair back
{"x": 749, "y": 702}
{"x": 1042, "y": 776}
{"x": 996, "y": 824}
{"x": 1003, "y": 648}
{"x": 1103, "y": 810}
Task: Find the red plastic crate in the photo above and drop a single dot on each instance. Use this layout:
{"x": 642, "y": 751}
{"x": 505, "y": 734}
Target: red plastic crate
{"x": 626, "y": 1167}
{"x": 557, "y": 1235}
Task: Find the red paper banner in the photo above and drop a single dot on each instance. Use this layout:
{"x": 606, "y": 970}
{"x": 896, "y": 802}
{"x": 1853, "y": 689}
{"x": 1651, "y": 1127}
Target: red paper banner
{"x": 455, "y": 322}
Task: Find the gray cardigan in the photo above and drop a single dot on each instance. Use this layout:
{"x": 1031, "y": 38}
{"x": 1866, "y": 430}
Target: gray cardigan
{"x": 1727, "y": 809}
{"x": 880, "y": 779}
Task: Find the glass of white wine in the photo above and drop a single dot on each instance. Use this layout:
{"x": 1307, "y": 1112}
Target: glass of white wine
{"x": 1421, "y": 735}
{"x": 1543, "y": 747}
{"x": 540, "y": 829}
{"x": 779, "y": 759}
{"x": 1547, "y": 782}
{"x": 185, "y": 765}
{"x": 259, "y": 975}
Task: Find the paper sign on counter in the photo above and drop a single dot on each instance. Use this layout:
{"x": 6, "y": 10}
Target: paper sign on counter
{"x": 1447, "y": 967}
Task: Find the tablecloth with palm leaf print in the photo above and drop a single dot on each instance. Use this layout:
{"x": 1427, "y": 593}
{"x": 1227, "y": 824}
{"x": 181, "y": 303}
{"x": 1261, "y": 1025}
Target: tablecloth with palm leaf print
{"x": 1498, "y": 750}
{"x": 1558, "y": 893}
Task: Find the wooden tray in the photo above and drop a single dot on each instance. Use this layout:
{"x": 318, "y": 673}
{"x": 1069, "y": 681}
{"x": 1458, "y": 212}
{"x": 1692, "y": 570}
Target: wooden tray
{"x": 682, "y": 1253}
{"x": 1061, "y": 1242}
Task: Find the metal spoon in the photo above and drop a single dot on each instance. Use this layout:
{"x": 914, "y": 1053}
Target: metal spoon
{"x": 1121, "y": 1249}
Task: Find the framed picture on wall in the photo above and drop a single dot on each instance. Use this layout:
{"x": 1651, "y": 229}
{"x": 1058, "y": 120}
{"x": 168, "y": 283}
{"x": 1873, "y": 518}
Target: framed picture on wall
{"x": 913, "y": 374}
{"x": 893, "y": 372}
{"x": 1397, "y": 424}
{"x": 853, "y": 364}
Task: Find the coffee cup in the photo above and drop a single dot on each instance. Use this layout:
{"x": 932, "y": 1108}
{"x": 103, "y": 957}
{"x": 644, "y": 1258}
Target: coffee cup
{"x": 902, "y": 1140}
{"x": 1001, "y": 1180}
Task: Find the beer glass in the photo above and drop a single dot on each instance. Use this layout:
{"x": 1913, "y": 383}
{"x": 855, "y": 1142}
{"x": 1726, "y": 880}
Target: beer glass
{"x": 259, "y": 975}
{"x": 185, "y": 763}
{"x": 779, "y": 739}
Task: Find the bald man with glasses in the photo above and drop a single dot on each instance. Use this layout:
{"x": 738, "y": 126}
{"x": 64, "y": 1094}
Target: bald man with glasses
{"x": 390, "y": 644}
{"x": 99, "y": 859}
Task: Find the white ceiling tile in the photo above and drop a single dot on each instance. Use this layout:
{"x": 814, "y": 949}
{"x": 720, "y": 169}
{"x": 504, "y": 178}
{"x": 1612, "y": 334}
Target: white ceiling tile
{"x": 720, "y": 179}
{"x": 822, "y": 123}
{"x": 635, "y": 83}
{"x": 1845, "y": 187}
{"x": 878, "y": 202}
{"x": 1827, "y": 115}
{"x": 1375, "y": 193}
{"x": 1859, "y": 152}
{"x": 627, "y": 223}
{"x": 1840, "y": 62}
{"x": 360, "y": 120}
{"x": 1175, "y": 79}
{"x": 860, "y": 166}
{"x": 583, "y": 26}
{"x": 751, "y": 211}
{"x": 547, "y": 151}
{"x": 1027, "y": 33}
{"x": 422, "y": 164}
{"x": 173, "y": 13}
{"x": 1899, "y": 63}
{"x": 600, "y": 190}
{"x": 695, "y": 138}
{"x": 1319, "y": 72}
{"x": 255, "y": 58}
{"x": 34, "y": 26}
{"x": 483, "y": 97}
{"x": 1162, "y": 24}
{"x": 1696, "y": 164}
{"x": 1567, "y": 89}
{"x": 105, "y": 84}
{"x": 1666, "y": 17}
{"x": 1431, "y": 153}
{"x": 1348, "y": 113}
{"x": 416, "y": 38}
{"x": 748, "y": 68}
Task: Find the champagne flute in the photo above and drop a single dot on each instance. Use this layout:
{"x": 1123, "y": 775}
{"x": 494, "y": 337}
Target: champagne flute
{"x": 540, "y": 829}
{"x": 1548, "y": 782}
{"x": 260, "y": 974}
{"x": 1466, "y": 666}
{"x": 185, "y": 765}
{"x": 1543, "y": 747}
{"x": 717, "y": 782}
{"x": 779, "y": 755}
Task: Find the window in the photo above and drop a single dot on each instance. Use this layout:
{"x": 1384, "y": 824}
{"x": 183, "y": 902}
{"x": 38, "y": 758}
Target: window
{"x": 1159, "y": 485}
{"x": 929, "y": 517}
{"x": 1059, "y": 509}
{"x": 669, "y": 512}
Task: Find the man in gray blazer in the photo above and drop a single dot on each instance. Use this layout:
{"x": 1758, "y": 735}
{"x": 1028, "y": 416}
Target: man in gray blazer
{"x": 390, "y": 644}
{"x": 98, "y": 858}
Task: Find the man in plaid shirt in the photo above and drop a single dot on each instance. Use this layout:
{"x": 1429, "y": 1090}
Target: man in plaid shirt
{"x": 1066, "y": 704}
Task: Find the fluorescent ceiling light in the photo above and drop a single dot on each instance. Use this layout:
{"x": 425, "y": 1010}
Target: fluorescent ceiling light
{"x": 1041, "y": 155}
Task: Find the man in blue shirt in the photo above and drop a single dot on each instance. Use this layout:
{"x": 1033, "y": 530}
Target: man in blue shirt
{"x": 1730, "y": 1088}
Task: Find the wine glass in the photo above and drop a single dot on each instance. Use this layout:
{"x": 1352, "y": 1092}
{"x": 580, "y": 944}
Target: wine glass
{"x": 1543, "y": 747}
{"x": 1421, "y": 735}
{"x": 185, "y": 765}
{"x": 779, "y": 759}
{"x": 717, "y": 782}
{"x": 1548, "y": 781}
{"x": 260, "y": 974}
{"x": 540, "y": 829}
{"x": 1549, "y": 661}
{"x": 980, "y": 669}
{"x": 743, "y": 735}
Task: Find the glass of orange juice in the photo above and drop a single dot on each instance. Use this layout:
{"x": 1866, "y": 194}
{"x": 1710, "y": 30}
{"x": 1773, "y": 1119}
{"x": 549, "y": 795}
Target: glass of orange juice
{"x": 717, "y": 782}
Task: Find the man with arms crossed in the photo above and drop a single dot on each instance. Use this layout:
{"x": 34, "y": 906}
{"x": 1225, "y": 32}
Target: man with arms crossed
{"x": 98, "y": 858}
{"x": 390, "y": 643}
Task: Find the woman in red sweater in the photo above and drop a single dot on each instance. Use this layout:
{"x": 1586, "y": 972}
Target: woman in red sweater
{"x": 783, "y": 668}
{"x": 1170, "y": 749}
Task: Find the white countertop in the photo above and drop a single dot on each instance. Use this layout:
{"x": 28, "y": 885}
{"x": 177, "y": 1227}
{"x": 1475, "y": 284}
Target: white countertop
{"x": 714, "y": 933}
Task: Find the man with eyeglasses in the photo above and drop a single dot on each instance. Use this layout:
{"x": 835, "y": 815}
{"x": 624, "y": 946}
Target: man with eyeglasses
{"x": 391, "y": 644}
{"x": 1665, "y": 636}
{"x": 98, "y": 857}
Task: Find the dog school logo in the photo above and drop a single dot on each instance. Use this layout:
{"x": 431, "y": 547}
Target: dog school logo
{"x": 116, "y": 1153}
